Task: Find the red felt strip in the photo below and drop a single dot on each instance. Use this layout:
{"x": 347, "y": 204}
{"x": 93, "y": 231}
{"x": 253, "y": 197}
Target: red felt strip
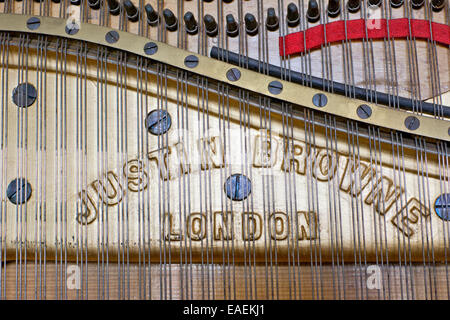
{"x": 359, "y": 29}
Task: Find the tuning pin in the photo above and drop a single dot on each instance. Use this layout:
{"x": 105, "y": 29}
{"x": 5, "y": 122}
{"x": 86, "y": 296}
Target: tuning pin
{"x": 334, "y": 8}
{"x": 94, "y": 4}
{"x": 227, "y": 1}
{"x": 170, "y": 19}
{"x": 210, "y": 25}
{"x": 251, "y": 25}
{"x": 75, "y": 2}
{"x": 437, "y": 5}
{"x": 191, "y": 23}
{"x": 232, "y": 26}
{"x": 272, "y": 20}
{"x": 152, "y": 15}
{"x": 417, "y": 4}
{"x": 353, "y": 5}
{"x": 293, "y": 17}
{"x": 130, "y": 9}
{"x": 312, "y": 13}
{"x": 374, "y": 3}
{"x": 114, "y": 7}
{"x": 396, "y": 3}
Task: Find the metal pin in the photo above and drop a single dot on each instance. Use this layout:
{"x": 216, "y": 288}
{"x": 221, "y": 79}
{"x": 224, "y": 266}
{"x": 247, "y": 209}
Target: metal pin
{"x": 191, "y": 23}
{"x": 374, "y": 3}
{"x": 210, "y": 25}
{"x": 396, "y": 3}
{"x": 94, "y": 4}
{"x": 437, "y": 5}
{"x": 152, "y": 15}
{"x": 130, "y": 9}
{"x": 293, "y": 18}
{"x": 251, "y": 25}
{"x": 353, "y": 5}
{"x": 313, "y": 13}
{"x": 417, "y": 4}
{"x": 170, "y": 19}
{"x": 272, "y": 21}
{"x": 334, "y": 8}
{"x": 114, "y": 7}
{"x": 232, "y": 26}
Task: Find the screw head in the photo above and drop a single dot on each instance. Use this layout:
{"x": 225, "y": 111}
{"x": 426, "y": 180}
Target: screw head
{"x": 364, "y": 111}
{"x": 158, "y": 122}
{"x": 72, "y": 28}
{"x": 412, "y": 123}
{"x": 19, "y": 191}
{"x": 442, "y": 206}
{"x": 320, "y": 100}
{"x": 150, "y": 48}
{"x": 112, "y": 36}
{"x": 24, "y": 95}
{"x": 33, "y": 23}
{"x": 275, "y": 87}
{"x": 238, "y": 187}
{"x": 233, "y": 74}
{"x": 191, "y": 61}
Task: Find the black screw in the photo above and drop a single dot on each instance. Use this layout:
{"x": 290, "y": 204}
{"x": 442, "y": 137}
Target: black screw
{"x": 233, "y": 74}
{"x": 417, "y": 4}
{"x": 334, "y": 8}
{"x": 353, "y": 5}
{"x": 170, "y": 19}
{"x": 293, "y": 18}
{"x": 114, "y": 7}
{"x": 33, "y": 23}
{"x": 412, "y": 123}
{"x": 437, "y": 5}
{"x": 210, "y": 25}
{"x": 131, "y": 10}
{"x": 232, "y": 26}
{"x": 152, "y": 15}
{"x": 191, "y": 61}
{"x": 112, "y": 36}
{"x": 19, "y": 191}
{"x": 396, "y": 3}
{"x": 94, "y": 4}
{"x": 158, "y": 122}
{"x": 320, "y": 100}
{"x": 442, "y": 206}
{"x": 251, "y": 25}
{"x": 191, "y": 23}
{"x": 272, "y": 21}
{"x": 275, "y": 87}
{"x": 238, "y": 187}
{"x": 72, "y": 28}
{"x": 24, "y": 95}
{"x": 150, "y": 48}
{"x": 364, "y": 111}
{"x": 313, "y": 14}
{"x": 374, "y": 3}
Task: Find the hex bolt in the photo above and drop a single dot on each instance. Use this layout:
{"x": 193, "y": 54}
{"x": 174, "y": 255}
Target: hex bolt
{"x": 24, "y": 95}
{"x": 233, "y": 74}
{"x": 152, "y": 15}
{"x": 19, "y": 191}
{"x": 114, "y": 7}
{"x": 150, "y": 48}
{"x": 158, "y": 122}
{"x": 72, "y": 28}
{"x": 275, "y": 87}
{"x": 272, "y": 21}
{"x": 412, "y": 123}
{"x": 442, "y": 206}
{"x": 364, "y": 111}
{"x": 170, "y": 19}
{"x": 191, "y": 61}
{"x": 33, "y": 23}
{"x": 320, "y": 100}
{"x": 112, "y": 36}
{"x": 238, "y": 187}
